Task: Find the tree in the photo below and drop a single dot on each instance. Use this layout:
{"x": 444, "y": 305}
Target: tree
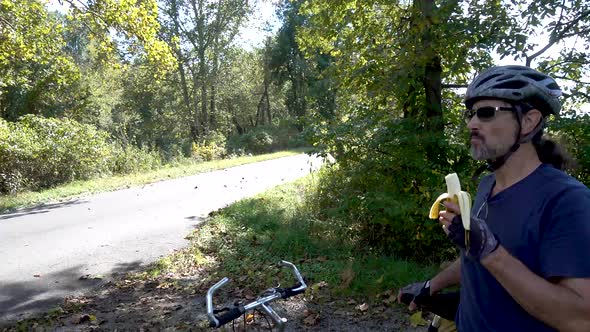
{"x": 136, "y": 23}
{"x": 33, "y": 66}
{"x": 306, "y": 73}
{"x": 396, "y": 130}
{"x": 200, "y": 32}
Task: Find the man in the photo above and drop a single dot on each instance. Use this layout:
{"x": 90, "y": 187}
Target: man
{"x": 527, "y": 267}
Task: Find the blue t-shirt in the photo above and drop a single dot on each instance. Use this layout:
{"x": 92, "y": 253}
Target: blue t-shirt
{"x": 544, "y": 222}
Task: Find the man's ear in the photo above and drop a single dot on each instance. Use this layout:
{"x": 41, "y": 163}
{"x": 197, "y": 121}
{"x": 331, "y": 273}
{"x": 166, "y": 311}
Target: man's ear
{"x": 530, "y": 120}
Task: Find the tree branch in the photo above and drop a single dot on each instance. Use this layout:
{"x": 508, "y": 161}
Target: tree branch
{"x": 576, "y": 93}
{"x": 454, "y": 86}
{"x": 570, "y": 79}
{"x": 2, "y": 19}
{"x": 557, "y": 37}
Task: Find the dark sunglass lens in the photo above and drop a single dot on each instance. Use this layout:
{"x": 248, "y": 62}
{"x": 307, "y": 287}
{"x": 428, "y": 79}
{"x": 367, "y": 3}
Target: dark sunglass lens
{"x": 486, "y": 113}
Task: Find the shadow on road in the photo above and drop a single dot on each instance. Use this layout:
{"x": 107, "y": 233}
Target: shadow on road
{"x": 21, "y": 299}
{"x": 43, "y": 208}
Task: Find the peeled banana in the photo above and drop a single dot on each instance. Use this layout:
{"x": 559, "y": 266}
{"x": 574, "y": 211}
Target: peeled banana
{"x": 461, "y": 198}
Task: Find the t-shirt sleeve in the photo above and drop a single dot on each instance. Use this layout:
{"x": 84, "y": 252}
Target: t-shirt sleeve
{"x": 565, "y": 243}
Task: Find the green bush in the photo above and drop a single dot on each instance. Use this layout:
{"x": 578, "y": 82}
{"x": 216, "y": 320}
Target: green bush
{"x": 130, "y": 159}
{"x": 384, "y": 184}
{"x": 211, "y": 147}
{"x": 264, "y": 139}
{"x": 259, "y": 140}
{"x": 37, "y": 153}
{"x": 41, "y": 153}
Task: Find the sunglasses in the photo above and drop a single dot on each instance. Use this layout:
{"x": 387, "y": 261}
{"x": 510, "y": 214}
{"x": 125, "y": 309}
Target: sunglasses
{"x": 485, "y": 113}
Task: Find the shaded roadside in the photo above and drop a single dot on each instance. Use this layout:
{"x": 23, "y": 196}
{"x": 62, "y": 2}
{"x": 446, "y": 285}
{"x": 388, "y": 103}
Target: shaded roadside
{"x": 177, "y": 302}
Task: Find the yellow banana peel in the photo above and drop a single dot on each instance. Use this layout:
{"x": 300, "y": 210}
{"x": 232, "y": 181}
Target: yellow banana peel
{"x": 457, "y": 196}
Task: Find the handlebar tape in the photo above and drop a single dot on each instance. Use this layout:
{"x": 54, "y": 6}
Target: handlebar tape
{"x": 291, "y": 292}
{"x": 232, "y": 314}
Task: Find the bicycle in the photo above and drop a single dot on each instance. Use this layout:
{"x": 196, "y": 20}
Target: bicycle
{"x": 263, "y": 301}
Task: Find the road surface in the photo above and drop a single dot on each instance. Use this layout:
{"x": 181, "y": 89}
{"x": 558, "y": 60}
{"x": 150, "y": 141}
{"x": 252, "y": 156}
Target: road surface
{"x": 52, "y": 251}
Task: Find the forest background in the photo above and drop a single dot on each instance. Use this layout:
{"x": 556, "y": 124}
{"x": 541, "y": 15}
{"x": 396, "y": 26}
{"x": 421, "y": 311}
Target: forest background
{"x": 109, "y": 87}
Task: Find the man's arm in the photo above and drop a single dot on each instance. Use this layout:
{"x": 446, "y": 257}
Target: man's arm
{"x": 448, "y": 277}
{"x": 564, "y": 305}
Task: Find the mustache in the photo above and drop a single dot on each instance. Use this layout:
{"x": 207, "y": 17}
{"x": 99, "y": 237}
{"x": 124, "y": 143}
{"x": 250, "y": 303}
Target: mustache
{"x": 475, "y": 134}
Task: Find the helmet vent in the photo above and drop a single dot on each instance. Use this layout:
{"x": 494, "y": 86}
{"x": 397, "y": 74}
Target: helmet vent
{"x": 553, "y": 86}
{"x": 535, "y": 76}
{"x": 487, "y": 79}
{"x": 511, "y": 85}
{"x": 518, "y": 94}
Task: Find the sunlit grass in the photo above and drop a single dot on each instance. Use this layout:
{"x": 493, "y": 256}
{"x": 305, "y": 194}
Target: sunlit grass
{"x": 71, "y": 190}
{"x": 247, "y": 238}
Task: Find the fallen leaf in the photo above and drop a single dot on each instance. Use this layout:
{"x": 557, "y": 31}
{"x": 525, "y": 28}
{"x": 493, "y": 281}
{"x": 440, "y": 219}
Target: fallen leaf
{"x": 363, "y": 307}
{"x": 37, "y": 275}
{"x": 319, "y": 285}
{"x": 249, "y": 295}
{"x": 81, "y": 318}
{"x": 390, "y": 300}
{"x": 311, "y": 320}
{"x": 417, "y": 320}
{"x": 351, "y": 302}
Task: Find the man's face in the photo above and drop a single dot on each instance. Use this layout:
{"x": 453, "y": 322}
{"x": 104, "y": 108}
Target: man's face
{"x": 494, "y": 137}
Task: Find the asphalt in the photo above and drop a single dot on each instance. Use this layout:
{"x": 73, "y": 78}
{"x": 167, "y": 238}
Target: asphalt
{"x": 66, "y": 248}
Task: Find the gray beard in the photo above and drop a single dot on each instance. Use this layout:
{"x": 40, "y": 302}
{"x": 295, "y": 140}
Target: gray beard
{"x": 485, "y": 152}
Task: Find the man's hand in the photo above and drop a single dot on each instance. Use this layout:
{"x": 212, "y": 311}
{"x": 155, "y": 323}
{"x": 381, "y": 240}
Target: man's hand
{"x": 482, "y": 241}
{"x": 415, "y": 294}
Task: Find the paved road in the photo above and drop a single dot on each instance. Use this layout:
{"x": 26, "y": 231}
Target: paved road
{"x": 44, "y": 251}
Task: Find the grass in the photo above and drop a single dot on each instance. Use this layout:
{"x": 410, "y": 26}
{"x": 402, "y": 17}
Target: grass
{"x": 245, "y": 240}
{"x": 77, "y": 188}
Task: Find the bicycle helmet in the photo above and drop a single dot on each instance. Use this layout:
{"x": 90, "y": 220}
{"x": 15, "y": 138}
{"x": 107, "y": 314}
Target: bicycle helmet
{"x": 524, "y": 88}
{"x": 516, "y": 84}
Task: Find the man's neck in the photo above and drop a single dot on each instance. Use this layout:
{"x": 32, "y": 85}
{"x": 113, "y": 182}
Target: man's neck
{"x": 518, "y": 166}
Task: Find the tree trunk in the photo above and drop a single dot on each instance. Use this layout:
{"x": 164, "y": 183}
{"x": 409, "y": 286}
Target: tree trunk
{"x": 214, "y": 71}
{"x": 181, "y": 72}
{"x": 432, "y": 67}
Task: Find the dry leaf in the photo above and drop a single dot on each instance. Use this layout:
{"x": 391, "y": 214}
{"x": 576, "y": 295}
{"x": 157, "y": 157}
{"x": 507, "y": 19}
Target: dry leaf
{"x": 319, "y": 285}
{"x": 363, "y": 307}
{"x": 82, "y": 318}
{"x": 417, "y": 320}
{"x": 249, "y": 295}
{"x": 311, "y": 320}
{"x": 249, "y": 317}
{"x": 351, "y": 302}
{"x": 390, "y": 300}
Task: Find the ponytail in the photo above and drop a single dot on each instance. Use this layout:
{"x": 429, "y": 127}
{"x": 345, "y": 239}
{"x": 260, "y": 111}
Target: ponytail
{"x": 551, "y": 153}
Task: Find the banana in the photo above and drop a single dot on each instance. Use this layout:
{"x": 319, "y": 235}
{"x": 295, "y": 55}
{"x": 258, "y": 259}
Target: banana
{"x": 461, "y": 198}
